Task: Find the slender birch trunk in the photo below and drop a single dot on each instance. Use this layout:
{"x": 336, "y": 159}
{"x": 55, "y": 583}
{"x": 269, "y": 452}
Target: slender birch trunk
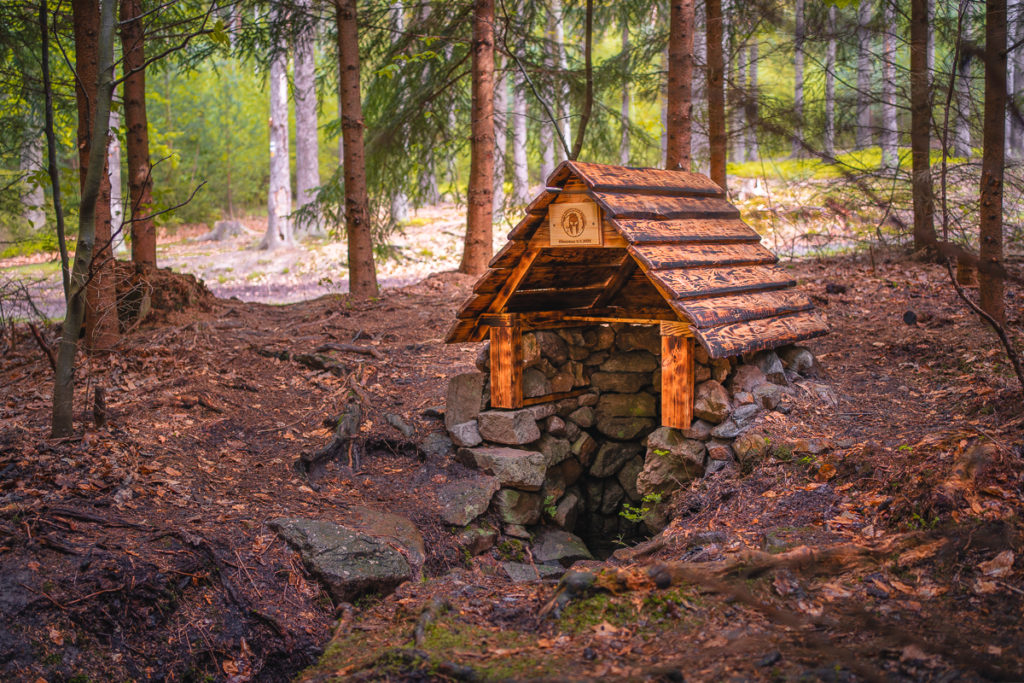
{"x": 279, "y": 195}
{"x": 890, "y": 130}
{"x": 520, "y": 169}
{"x": 798, "y": 79}
{"x": 500, "y": 138}
{"x": 864, "y": 74}
{"x": 830, "y": 86}
{"x": 117, "y": 213}
{"x": 752, "y": 103}
{"x": 307, "y": 151}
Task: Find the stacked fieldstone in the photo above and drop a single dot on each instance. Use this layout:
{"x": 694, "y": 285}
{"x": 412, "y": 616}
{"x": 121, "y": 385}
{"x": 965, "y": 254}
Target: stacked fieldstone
{"x": 577, "y": 463}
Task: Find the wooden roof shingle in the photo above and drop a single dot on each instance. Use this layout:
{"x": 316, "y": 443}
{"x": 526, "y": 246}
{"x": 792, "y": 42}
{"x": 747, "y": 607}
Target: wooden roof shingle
{"x": 672, "y": 241}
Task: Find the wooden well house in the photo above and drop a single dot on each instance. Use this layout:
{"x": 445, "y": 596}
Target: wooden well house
{"x": 613, "y": 244}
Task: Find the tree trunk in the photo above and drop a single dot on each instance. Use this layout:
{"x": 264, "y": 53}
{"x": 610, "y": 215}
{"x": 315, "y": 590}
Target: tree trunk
{"x": 664, "y": 108}
{"x": 991, "y": 229}
{"x": 500, "y": 140}
{"x": 520, "y": 170}
{"x": 361, "y": 270}
{"x": 624, "y": 141}
{"x": 140, "y": 180}
{"x": 399, "y": 200}
{"x": 546, "y": 136}
{"x": 563, "y": 98}
{"x": 94, "y": 53}
{"x": 699, "y": 125}
{"x": 864, "y": 74}
{"x": 738, "y": 94}
{"x": 51, "y": 149}
{"x": 830, "y": 86}
{"x": 752, "y": 108}
{"x": 962, "y": 125}
{"x": 716, "y": 93}
{"x": 920, "y": 126}
{"x": 890, "y": 131}
{"x": 117, "y": 215}
{"x": 279, "y": 196}
{"x": 680, "y": 85}
{"x": 34, "y": 198}
{"x": 478, "y": 246}
{"x": 101, "y": 329}
{"x": 798, "y": 79}
{"x": 307, "y": 153}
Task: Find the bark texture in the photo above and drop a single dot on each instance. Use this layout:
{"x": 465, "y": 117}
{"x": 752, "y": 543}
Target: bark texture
{"x": 716, "y": 93}
{"x": 624, "y": 112}
{"x": 680, "y": 85}
{"x": 307, "y": 153}
{"x": 920, "y": 126}
{"x": 864, "y": 74}
{"x": 500, "y": 139}
{"x": 101, "y": 329}
{"x": 140, "y": 180}
{"x": 117, "y": 213}
{"x": 798, "y": 78}
{"x": 399, "y": 200}
{"x": 362, "y": 272}
{"x": 279, "y": 195}
{"x": 830, "y": 86}
{"x": 990, "y": 282}
{"x": 478, "y": 244}
{"x": 890, "y": 131}
{"x": 520, "y": 170}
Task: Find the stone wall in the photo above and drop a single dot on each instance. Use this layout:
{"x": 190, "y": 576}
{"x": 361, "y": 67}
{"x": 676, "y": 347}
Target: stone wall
{"x": 598, "y": 464}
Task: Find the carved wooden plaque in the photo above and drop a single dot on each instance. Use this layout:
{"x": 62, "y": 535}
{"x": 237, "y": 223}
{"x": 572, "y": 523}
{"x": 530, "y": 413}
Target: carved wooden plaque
{"x": 575, "y": 224}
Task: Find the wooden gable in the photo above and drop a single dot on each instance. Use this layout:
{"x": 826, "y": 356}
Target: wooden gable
{"x": 672, "y": 249}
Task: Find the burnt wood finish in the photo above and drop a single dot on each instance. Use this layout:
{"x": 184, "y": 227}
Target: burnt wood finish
{"x": 665, "y": 256}
{"x": 547, "y": 398}
{"x": 677, "y": 380}
{"x": 507, "y": 364}
{"x": 691, "y": 259}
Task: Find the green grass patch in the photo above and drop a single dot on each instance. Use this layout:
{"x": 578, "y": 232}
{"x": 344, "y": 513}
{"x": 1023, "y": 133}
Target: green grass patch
{"x": 867, "y": 160}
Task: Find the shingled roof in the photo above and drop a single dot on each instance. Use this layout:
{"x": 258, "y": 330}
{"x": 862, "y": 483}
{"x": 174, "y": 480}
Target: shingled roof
{"x": 674, "y": 249}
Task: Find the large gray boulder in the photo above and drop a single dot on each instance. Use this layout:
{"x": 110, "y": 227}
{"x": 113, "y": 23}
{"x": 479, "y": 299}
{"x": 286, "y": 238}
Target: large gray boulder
{"x": 512, "y": 427}
{"x": 511, "y": 466}
{"x": 552, "y": 347}
{"x": 611, "y": 456}
{"x": 517, "y": 507}
{"x": 747, "y": 378}
{"x": 800, "y": 360}
{"x": 349, "y": 561}
{"x": 466, "y": 434}
{"x": 627, "y": 405}
{"x": 771, "y": 366}
{"x": 464, "y": 399}
{"x": 671, "y": 460}
{"x": 621, "y": 382}
{"x": 711, "y": 402}
{"x": 465, "y": 499}
{"x": 639, "y": 338}
{"x": 556, "y": 545}
{"x": 631, "y": 361}
{"x": 738, "y": 421}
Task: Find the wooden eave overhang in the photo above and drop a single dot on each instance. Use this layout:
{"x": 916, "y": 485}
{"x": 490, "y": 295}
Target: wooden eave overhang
{"x": 674, "y": 250}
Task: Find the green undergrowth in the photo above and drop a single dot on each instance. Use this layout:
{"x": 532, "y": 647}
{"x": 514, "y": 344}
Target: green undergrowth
{"x": 673, "y": 608}
{"x": 868, "y": 160}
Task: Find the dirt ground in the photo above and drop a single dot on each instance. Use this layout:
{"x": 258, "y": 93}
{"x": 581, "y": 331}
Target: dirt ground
{"x": 140, "y": 551}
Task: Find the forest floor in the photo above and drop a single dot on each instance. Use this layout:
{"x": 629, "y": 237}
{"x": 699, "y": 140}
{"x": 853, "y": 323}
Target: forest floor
{"x": 140, "y": 550}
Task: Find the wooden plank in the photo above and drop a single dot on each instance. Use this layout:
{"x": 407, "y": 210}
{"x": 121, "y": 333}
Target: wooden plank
{"x": 663, "y": 256}
{"x": 508, "y": 256}
{"x": 553, "y": 299}
{"x": 756, "y": 335}
{"x": 551, "y": 277}
{"x": 684, "y": 231}
{"x": 616, "y": 284}
{"x": 507, "y": 367}
{"x": 526, "y": 228}
{"x": 722, "y": 310}
{"x": 547, "y": 398}
{"x": 659, "y": 207}
{"x": 627, "y": 179}
{"x": 571, "y": 256}
{"x": 460, "y": 331}
{"x": 640, "y": 292}
{"x": 491, "y": 281}
{"x": 548, "y": 319}
{"x": 474, "y": 306}
{"x": 677, "y": 378}
{"x": 515, "y": 276}
{"x": 692, "y": 283}
{"x": 678, "y": 328}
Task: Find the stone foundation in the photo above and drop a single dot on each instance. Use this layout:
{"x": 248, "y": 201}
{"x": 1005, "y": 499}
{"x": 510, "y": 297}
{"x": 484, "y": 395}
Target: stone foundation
{"x": 598, "y": 464}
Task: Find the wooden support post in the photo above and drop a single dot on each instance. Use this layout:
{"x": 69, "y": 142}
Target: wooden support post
{"x": 506, "y": 361}
{"x": 677, "y": 377}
